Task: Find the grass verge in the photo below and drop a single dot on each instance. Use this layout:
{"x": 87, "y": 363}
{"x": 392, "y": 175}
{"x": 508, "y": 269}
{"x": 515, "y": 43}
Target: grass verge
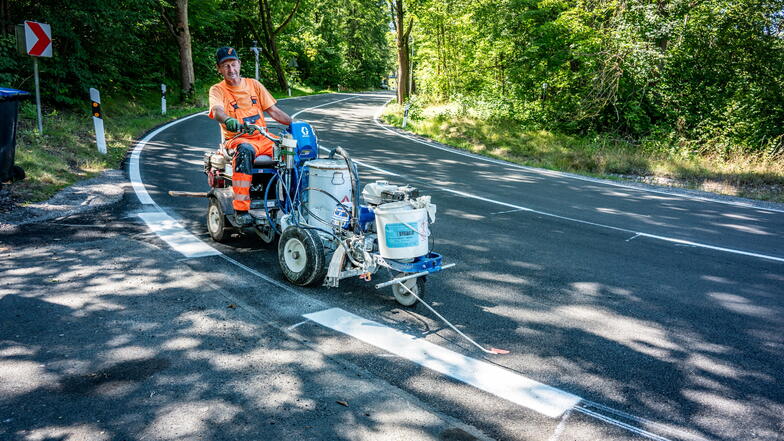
{"x": 66, "y": 151}
{"x": 744, "y": 176}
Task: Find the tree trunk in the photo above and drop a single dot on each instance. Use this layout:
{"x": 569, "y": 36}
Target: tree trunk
{"x": 5, "y": 18}
{"x": 268, "y": 36}
{"x": 187, "y": 77}
{"x": 181, "y": 32}
{"x": 402, "y": 33}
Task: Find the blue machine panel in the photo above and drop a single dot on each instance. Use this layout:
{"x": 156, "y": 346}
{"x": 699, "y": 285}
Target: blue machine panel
{"x": 307, "y": 143}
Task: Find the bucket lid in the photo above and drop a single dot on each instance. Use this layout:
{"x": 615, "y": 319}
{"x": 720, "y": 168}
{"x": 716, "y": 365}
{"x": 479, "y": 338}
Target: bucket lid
{"x": 396, "y": 206}
{"x": 327, "y": 164}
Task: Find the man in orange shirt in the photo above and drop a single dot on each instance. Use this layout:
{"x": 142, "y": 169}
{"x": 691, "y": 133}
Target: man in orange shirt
{"x": 236, "y": 103}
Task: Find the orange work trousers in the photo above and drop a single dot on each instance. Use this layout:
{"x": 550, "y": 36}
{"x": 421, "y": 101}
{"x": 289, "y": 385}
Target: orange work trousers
{"x": 246, "y": 149}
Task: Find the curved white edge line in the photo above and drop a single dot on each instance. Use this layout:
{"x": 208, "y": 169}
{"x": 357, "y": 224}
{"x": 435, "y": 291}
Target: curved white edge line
{"x": 133, "y": 166}
{"x": 561, "y": 174}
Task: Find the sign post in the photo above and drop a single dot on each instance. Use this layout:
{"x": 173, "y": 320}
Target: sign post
{"x": 37, "y": 43}
{"x": 256, "y": 51}
{"x": 38, "y": 97}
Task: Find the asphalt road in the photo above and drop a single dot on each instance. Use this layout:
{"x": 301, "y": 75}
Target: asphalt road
{"x": 663, "y": 312}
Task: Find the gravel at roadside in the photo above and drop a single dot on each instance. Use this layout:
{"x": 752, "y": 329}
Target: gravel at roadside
{"x": 89, "y": 195}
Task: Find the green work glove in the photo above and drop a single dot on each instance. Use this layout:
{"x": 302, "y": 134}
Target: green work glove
{"x": 247, "y": 128}
{"x": 232, "y": 125}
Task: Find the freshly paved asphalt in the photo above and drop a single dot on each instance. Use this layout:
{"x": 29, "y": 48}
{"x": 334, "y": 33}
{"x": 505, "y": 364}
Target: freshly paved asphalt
{"x": 682, "y": 341}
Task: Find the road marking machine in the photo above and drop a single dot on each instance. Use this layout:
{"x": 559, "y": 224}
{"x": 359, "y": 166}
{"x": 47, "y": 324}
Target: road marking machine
{"x": 326, "y": 231}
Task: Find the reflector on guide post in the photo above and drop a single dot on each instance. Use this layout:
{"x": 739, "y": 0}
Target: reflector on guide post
{"x": 100, "y": 139}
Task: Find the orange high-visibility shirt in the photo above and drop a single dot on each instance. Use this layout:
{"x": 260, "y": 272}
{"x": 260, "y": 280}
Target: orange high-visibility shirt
{"x": 246, "y": 102}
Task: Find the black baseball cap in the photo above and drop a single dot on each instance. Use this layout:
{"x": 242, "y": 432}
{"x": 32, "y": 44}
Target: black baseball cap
{"x": 225, "y": 53}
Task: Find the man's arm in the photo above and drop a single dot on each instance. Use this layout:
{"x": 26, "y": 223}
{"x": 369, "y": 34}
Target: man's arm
{"x": 220, "y": 114}
{"x": 278, "y": 115}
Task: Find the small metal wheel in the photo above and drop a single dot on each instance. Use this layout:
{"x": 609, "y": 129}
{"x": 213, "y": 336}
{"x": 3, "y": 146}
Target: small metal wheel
{"x": 216, "y": 221}
{"x": 404, "y": 297}
{"x": 301, "y": 256}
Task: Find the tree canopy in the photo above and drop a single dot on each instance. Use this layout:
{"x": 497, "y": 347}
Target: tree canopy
{"x": 709, "y": 73}
{"x": 690, "y": 73}
{"x": 127, "y": 46}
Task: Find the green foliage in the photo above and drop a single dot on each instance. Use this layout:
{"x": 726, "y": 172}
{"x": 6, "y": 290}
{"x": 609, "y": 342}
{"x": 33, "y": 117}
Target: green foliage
{"x": 342, "y": 43}
{"x": 123, "y": 47}
{"x": 704, "y": 74}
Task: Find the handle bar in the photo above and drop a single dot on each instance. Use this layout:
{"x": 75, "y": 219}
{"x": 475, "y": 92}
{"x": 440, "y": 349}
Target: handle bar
{"x": 263, "y": 131}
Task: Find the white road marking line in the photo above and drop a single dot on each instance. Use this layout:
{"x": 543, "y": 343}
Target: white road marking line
{"x": 625, "y": 230}
{"x": 133, "y": 167}
{"x": 562, "y": 174}
{"x": 171, "y": 232}
{"x": 647, "y": 422}
{"x": 364, "y": 164}
{"x": 297, "y": 325}
{"x": 322, "y": 105}
{"x": 488, "y": 377}
{"x": 506, "y": 211}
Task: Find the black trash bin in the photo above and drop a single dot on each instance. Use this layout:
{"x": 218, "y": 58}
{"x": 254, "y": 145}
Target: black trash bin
{"x": 9, "y": 108}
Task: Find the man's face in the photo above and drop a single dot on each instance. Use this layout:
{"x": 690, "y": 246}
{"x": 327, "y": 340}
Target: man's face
{"x": 230, "y": 70}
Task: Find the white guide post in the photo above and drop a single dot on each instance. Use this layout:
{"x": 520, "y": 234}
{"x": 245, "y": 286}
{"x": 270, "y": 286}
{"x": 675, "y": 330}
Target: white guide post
{"x": 163, "y": 99}
{"x": 100, "y": 139}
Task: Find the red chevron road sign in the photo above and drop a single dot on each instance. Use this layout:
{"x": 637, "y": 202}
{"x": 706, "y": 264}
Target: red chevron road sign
{"x": 38, "y": 39}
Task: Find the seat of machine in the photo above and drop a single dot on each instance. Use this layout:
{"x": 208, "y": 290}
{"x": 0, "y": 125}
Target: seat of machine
{"x": 263, "y": 161}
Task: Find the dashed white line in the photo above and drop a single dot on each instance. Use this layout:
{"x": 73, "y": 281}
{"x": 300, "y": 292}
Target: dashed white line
{"x": 595, "y": 224}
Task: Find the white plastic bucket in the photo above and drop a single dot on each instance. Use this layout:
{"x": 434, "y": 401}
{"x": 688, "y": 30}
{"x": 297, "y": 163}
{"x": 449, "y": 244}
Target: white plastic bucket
{"x": 332, "y": 176}
{"x": 402, "y": 231}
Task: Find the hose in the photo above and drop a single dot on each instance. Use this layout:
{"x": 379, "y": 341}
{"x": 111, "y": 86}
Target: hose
{"x": 266, "y": 208}
{"x": 354, "y": 186}
{"x": 328, "y": 194}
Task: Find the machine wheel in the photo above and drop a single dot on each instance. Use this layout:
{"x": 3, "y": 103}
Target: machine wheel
{"x": 301, "y": 256}
{"x": 404, "y": 297}
{"x": 216, "y": 221}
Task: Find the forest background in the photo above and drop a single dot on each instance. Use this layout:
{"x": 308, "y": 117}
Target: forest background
{"x": 683, "y": 90}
